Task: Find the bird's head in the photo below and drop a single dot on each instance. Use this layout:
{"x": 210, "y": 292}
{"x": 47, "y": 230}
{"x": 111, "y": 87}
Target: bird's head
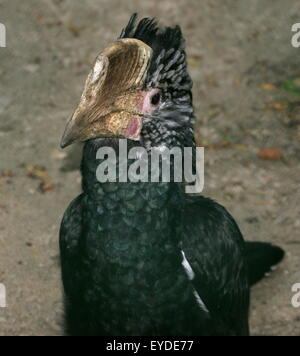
{"x": 138, "y": 89}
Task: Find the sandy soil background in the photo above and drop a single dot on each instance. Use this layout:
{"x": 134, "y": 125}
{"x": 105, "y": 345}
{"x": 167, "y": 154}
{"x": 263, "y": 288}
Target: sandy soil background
{"x": 246, "y": 94}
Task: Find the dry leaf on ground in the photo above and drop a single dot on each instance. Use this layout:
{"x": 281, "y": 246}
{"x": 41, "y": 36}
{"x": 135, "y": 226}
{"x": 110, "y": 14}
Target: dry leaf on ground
{"x": 271, "y": 154}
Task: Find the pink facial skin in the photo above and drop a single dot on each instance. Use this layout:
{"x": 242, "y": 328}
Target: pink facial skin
{"x": 146, "y": 106}
{"x": 134, "y": 129}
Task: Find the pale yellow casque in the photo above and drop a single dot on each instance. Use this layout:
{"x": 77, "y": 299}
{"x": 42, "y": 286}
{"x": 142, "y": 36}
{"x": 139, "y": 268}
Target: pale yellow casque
{"x": 110, "y": 105}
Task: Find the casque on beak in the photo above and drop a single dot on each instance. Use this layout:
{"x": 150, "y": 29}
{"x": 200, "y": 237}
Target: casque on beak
{"x": 111, "y": 103}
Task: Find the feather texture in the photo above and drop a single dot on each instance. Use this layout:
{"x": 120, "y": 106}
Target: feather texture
{"x": 144, "y": 258}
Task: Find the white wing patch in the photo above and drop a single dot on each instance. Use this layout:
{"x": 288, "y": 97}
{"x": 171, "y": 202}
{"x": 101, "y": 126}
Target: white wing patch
{"x": 191, "y": 275}
{"x": 188, "y": 269}
{"x": 200, "y": 302}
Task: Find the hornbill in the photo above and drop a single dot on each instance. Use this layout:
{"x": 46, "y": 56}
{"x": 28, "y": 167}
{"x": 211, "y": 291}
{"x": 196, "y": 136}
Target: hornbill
{"x": 144, "y": 258}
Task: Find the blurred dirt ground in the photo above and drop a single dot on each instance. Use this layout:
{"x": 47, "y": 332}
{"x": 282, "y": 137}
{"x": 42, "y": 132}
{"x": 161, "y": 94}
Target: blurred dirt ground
{"x": 247, "y": 99}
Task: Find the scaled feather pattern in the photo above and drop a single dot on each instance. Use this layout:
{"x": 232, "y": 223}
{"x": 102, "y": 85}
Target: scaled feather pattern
{"x": 145, "y": 258}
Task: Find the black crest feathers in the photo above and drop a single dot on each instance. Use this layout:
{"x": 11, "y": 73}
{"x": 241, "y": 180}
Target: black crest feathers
{"x": 168, "y": 68}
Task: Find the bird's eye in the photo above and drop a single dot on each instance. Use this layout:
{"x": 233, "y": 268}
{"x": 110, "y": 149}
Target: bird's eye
{"x": 155, "y": 99}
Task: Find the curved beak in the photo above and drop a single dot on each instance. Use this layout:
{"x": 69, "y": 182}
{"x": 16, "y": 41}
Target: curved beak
{"x": 111, "y": 103}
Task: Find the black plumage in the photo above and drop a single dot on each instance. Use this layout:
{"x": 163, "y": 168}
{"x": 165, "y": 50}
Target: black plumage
{"x": 124, "y": 246}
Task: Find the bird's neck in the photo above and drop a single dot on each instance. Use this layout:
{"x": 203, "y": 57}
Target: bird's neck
{"x": 136, "y": 217}
{"x": 109, "y": 163}
{"x": 160, "y": 192}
